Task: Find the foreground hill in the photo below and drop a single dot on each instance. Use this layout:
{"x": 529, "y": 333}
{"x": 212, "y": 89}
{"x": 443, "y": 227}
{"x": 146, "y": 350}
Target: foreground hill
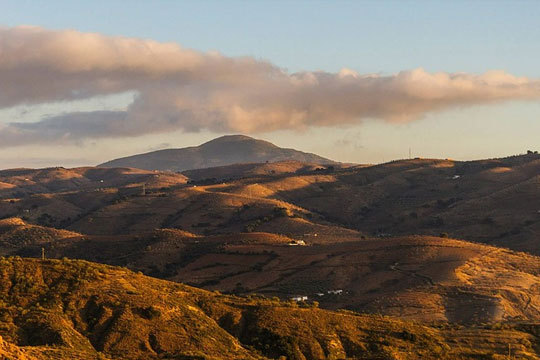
{"x": 225, "y": 150}
{"x": 418, "y": 278}
{"x": 60, "y": 309}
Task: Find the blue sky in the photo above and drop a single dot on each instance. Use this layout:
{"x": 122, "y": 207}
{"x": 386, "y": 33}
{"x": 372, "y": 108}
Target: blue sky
{"x": 370, "y": 37}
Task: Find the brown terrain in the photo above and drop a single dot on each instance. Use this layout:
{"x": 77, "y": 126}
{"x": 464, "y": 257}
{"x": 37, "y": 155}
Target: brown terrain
{"x": 68, "y": 309}
{"x": 448, "y": 244}
{"x": 491, "y": 201}
{"x": 417, "y": 277}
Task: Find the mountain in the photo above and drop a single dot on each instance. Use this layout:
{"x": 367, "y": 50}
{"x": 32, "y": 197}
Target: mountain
{"x": 225, "y": 150}
{"x": 69, "y": 309}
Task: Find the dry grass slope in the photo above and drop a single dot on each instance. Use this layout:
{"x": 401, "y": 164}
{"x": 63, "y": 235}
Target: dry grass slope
{"x": 74, "y": 309}
{"x": 417, "y": 277}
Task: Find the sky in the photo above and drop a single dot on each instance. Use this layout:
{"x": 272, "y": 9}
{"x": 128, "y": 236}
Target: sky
{"x": 84, "y": 82}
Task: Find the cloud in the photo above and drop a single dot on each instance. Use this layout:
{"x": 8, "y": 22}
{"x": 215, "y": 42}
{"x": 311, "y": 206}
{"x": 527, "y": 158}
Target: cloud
{"x": 183, "y": 89}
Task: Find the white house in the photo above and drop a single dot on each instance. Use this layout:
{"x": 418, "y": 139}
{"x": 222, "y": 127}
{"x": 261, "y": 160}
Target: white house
{"x": 299, "y": 298}
{"x": 297, "y": 243}
{"x": 335, "y": 292}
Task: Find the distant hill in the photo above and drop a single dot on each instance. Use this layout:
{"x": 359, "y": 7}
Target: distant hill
{"x": 25, "y": 182}
{"x": 225, "y": 150}
{"x": 491, "y": 201}
{"x": 244, "y": 170}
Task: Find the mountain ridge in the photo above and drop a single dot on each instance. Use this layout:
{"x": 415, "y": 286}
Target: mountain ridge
{"x": 224, "y": 150}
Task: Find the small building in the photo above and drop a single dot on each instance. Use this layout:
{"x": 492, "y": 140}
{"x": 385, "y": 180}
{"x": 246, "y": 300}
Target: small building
{"x": 335, "y": 292}
{"x": 297, "y": 243}
{"x": 299, "y": 298}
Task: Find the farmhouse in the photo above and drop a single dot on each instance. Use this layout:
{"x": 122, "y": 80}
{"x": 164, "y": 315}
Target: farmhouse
{"x": 297, "y": 243}
{"x": 335, "y": 292}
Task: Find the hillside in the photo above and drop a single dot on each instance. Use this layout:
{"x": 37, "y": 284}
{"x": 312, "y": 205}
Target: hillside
{"x": 225, "y": 150}
{"x": 378, "y": 240}
{"x": 236, "y": 171}
{"x": 19, "y": 183}
{"x": 59, "y": 309}
{"x": 489, "y": 201}
{"x": 417, "y": 278}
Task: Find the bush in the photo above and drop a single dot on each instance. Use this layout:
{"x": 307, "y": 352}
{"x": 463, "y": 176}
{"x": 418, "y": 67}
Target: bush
{"x": 281, "y": 212}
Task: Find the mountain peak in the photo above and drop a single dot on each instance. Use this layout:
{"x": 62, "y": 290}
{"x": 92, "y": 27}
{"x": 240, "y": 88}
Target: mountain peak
{"x": 231, "y": 138}
{"x": 235, "y": 139}
{"x": 224, "y": 150}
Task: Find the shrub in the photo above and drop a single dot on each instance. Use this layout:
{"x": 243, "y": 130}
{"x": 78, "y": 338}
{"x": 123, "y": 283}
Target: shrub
{"x": 281, "y": 211}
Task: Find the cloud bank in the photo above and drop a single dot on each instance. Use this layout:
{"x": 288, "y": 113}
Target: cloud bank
{"x": 183, "y": 89}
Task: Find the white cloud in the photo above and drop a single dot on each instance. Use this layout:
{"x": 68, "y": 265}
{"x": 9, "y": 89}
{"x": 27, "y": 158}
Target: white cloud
{"x": 182, "y": 89}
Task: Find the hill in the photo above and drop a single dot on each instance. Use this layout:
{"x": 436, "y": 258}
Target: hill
{"x": 488, "y": 201}
{"x": 250, "y": 170}
{"x": 225, "y": 150}
{"x": 20, "y": 183}
{"x": 234, "y": 234}
{"x": 419, "y": 278}
{"x": 60, "y": 309}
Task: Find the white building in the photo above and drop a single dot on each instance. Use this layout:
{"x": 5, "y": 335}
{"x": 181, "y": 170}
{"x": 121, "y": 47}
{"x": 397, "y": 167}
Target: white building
{"x": 297, "y": 243}
{"x": 335, "y": 292}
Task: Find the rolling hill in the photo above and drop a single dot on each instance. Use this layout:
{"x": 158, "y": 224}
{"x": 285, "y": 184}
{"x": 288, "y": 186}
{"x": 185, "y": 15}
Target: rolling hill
{"x": 376, "y": 247}
{"x": 492, "y": 201}
{"x": 489, "y": 201}
{"x": 20, "y": 183}
{"x": 417, "y": 278}
{"x": 246, "y": 170}
{"x": 225, "y": 150}
{"x": 60, "y": 309}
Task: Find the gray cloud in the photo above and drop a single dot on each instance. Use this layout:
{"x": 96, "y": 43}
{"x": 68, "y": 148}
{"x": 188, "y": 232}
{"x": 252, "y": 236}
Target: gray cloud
{"x": 182, "y": 89}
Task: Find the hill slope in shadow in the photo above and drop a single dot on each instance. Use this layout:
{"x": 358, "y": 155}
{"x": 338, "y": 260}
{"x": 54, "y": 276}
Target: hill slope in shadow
{"x": 226, "y": 150}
